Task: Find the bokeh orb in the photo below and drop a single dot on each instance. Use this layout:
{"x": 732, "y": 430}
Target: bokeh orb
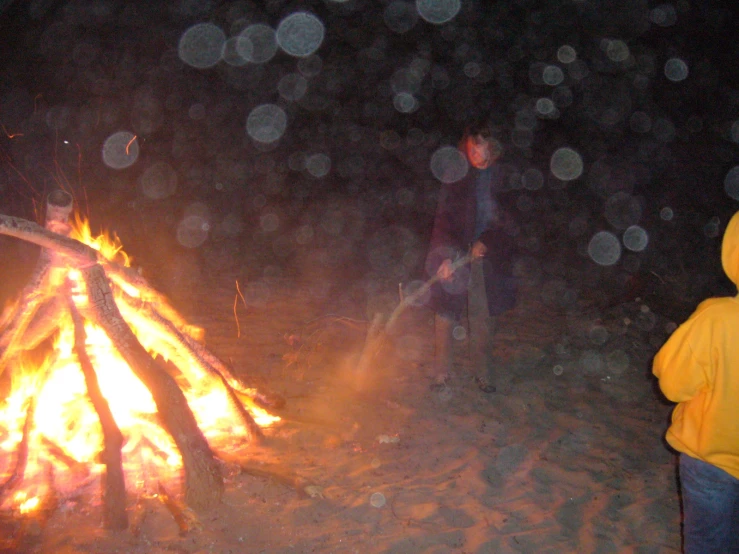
{"x": 438, "y": 12}
{"x": 604, "y": 248}
{"x": 193, "y": 230}
{"x": 731, "y": 182}
{"x": 300, "y": 34}
{"x": 566, "y": 54}
{"x": 400, "y": 16}
{"x": 292, "y": 86}
{"x": 257, "y": 43}
{"x": 635, "y": 238}
{"x": 676, "y": 70}
{"x": 266, "y": 123}
{"x": 120, "y": 150}
{"x": 202, "y": 45}
{"x": 566, "y": 164}
{"x": 159, "y": 181}
{"x": 449, "y": 164}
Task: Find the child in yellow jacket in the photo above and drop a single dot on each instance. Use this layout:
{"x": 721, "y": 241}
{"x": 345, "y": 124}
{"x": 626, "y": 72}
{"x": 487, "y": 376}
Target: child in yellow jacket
{"x": 698, "y": 367}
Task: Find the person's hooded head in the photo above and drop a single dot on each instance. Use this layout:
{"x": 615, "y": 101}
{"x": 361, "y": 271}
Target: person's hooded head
{"x": 730, "y": 249}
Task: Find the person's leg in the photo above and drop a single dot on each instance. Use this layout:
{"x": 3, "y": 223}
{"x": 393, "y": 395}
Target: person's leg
{"x": 709, "y": 499}
{"x": 443, "y": 348}
{"x": 482, "y": 327}
{"x": 487, "y": 380}
{"x": 448, "y": 301}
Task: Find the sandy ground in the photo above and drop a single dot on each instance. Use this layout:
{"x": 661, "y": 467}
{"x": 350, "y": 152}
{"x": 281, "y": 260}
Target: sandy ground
{"x": 558, "y": 459}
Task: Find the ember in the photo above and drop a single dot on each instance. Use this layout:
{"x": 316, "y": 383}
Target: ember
{"x": 107, "y": 380}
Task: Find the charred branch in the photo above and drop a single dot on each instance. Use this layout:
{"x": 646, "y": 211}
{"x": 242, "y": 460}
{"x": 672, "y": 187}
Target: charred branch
{"x": 58, "y": 453}
{"x": 44, "y": 324}
{"x": 271, "y": 472}
{"x": 46, "y": 305}
{"x": 11, "y": 340}
{"x": 183, "y": 518}
{"x": 16, "y": 476}
{"x": 114, "y": 486}
{"x": 203, "y": 482}
{"x": 193, "y": 353}
{"x": 29, "y": 231}
{"x": 255, "y": 432}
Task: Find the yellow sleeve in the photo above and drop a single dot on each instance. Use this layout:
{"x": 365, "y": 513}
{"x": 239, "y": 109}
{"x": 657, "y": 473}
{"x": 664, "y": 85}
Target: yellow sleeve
{"x": 678, "y": 365}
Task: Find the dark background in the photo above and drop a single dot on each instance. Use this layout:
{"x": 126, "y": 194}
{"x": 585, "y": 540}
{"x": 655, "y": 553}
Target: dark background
{"x": 74, "y": 73}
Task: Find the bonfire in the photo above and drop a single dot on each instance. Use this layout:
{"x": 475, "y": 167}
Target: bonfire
{"x": 101, "y": 378}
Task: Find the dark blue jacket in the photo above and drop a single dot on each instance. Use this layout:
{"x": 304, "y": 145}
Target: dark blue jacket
{"x": 451, "y": 237}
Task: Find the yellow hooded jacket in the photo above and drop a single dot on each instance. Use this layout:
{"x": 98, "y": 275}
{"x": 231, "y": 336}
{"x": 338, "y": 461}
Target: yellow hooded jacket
{"x": 698, "y": 367}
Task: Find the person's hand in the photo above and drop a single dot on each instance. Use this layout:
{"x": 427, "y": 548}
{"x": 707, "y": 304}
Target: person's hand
{"x": 445, "y": 270}
{"x": 478, "y": 250}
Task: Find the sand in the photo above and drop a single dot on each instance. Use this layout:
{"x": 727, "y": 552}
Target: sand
{"x": 567, "y": 455}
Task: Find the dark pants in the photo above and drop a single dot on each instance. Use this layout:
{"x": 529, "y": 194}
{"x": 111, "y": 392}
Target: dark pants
{"x": 710, "y": 508}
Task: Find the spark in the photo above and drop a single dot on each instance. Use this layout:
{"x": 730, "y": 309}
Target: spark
{"x": 236, "y": 316}
{"x": 130, "y": 142}
{"x": 10, "y": 135}
{"x": 236, "y": 300}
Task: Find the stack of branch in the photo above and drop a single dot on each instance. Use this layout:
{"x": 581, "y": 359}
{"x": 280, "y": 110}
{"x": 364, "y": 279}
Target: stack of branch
{"x": 49, "y": 299}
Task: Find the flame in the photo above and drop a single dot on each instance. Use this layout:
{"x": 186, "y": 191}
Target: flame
{"x": 108, "y": 245}
{"x": 66, "y": 434}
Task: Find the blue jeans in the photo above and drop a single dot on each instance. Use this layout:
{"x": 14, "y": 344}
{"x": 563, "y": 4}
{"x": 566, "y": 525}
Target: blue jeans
{"x": 710, "y": 508}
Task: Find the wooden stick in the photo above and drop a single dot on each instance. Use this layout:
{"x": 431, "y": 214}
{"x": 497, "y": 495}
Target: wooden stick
{"x": 255, "y": 432}
{"x": 377, "y": 333}
{"x": 58, "y": 453}
{"x": 178, "y": 512}
{"x": 11, "y": 340}
{"x": 423, "y": 289}
{"x": 44, "y": 323}
{"x": 203, "y": 480}
{"x": 51, "y": 500}
{"x": 138, "y": 516}
{"x": 148, "y": 443}
{"x": 272, "y": 472}
{"x": 114, "y": 486}
{"x": 372, "y": 344}
{"x": 21, "y": 455}
{"x": 32, "y": 232}
{"x": 37, "y": 292}
{"x": 188, "y": 352}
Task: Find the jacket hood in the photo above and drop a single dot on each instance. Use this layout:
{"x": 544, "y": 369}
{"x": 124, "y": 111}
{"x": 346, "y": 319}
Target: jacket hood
{"x": 730, "y": 249}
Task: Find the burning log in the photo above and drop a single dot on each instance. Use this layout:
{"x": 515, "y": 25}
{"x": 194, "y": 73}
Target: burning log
{"x": 184, "y": 519}
{"x": 36, "y": 308}
{"x": 138, "y": 516}
{"x": 17, "y": 534}
{"x": 255, "y": 432}
{"x": 21, "y": 456}
{"x": 114, "y": 489}
{"x": 273, "y": 472}
{"x": 58, "y": 453}
{"x": 75, "y": 284}
{"x": 203, "y": 482}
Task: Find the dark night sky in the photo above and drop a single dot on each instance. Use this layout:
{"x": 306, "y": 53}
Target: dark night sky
{"x": 385, "y": 90}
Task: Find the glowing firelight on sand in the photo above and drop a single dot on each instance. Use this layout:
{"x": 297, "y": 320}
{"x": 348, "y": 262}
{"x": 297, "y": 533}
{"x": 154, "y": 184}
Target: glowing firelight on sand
{"x": 65, "y": 436}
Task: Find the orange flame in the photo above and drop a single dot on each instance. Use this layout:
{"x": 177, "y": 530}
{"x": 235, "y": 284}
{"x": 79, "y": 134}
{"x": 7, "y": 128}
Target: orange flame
{"x": 66, "y": 432}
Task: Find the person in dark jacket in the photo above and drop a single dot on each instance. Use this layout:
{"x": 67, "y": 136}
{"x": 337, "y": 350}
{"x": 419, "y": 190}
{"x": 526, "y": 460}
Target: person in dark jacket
{"x": 470, "y": 221}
